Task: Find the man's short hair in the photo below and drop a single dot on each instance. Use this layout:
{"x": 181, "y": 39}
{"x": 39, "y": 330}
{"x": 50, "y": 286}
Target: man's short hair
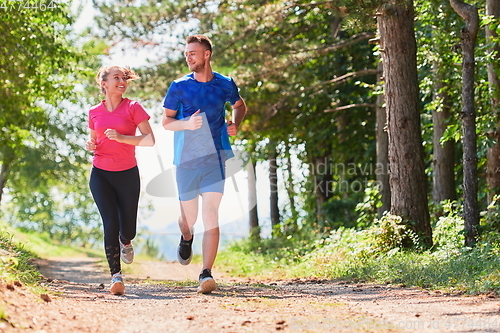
{"x": 203, "y": 40}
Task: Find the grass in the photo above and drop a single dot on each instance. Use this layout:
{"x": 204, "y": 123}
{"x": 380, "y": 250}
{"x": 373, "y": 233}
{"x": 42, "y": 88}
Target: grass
{"x": 44, "y": 246}
{"x": 16, "y": 261}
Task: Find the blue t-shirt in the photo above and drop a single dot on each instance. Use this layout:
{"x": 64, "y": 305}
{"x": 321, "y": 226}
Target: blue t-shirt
{"x": 208, "y": 145}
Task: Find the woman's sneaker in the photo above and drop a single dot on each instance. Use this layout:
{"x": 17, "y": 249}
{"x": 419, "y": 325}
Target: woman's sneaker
{"x": 207, "y": 282}
{"x": 126, "y": 252}
{"x": 185, "y": 251}
{"x": 117, "y": 285}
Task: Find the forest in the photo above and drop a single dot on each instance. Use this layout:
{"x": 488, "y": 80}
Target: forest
{"x": 372, "y": 114}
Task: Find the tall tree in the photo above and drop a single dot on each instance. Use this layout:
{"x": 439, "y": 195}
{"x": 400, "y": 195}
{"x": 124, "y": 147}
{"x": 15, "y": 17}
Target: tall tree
{"x": 382, "y": 150}
{"x": 273, "y": 183}
{"x": 443, "y": 154}
{"x": 253, "y": 216}
{"x": 468, "y": 42}
{"x": 439, "y": 79}
{"x": 407, "y": 174}
{"x": 36, "y": 74}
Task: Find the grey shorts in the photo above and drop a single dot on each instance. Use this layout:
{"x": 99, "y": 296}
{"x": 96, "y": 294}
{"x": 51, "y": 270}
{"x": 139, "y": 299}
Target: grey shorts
{"x": 193, "y": 182}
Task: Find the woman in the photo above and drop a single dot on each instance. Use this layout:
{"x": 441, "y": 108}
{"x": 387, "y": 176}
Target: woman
{"x": 114, "y": 179}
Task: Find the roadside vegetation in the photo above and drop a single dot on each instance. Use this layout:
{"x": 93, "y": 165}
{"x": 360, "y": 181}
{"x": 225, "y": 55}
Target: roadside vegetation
{"x": 377, "y": 254}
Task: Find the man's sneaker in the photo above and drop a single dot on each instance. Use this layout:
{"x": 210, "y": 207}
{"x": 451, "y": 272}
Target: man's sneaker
{"x": 117, "y": 286}
{"x": 126, "y": 252}
{"x": 185, "y": 251}
{"x": 207, "y": 282}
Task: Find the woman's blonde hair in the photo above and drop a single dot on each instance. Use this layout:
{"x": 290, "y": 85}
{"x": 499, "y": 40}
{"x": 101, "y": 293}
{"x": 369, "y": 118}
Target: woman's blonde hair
{"x": 102, "y": 75}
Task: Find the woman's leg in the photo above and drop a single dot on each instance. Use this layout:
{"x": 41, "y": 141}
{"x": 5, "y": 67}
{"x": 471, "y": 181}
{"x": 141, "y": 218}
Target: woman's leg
{"x": 128, "y": 187}
{"x": 101, "y": 186}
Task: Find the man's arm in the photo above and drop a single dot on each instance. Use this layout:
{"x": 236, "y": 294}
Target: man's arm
{"x": 239, "y": 112}
{"x": 170, "y": 123}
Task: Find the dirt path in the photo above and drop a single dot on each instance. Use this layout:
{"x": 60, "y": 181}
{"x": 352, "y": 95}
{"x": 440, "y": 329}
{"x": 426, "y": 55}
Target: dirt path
{"x": 157, "y": 301}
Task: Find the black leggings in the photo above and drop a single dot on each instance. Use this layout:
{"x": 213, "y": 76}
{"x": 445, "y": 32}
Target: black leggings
{"x": 116, "y": 194}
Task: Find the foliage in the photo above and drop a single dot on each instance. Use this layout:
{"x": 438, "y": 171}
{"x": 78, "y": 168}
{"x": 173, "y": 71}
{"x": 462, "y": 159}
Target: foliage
{"x": 15, "y": 260}
{"x": 390, "y": 232}
{"x": 448, "y": 233}
{"x": 490, "y": 223}
{"x": 367, "y": 209}
{"x": 44, "y": 167}
{"x": 358, "y": 255}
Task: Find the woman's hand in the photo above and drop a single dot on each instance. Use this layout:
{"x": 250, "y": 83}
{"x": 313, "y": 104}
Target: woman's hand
{"x": 113, "y": 134}
{"x": 91, "y": 145}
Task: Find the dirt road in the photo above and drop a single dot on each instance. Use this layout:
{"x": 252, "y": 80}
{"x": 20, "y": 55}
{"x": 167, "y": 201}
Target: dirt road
{"x": 161, "y": 297}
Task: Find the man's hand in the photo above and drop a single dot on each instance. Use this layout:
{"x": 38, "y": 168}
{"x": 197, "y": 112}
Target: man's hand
{"x": 194, "y": 122}
{"x": 231, "y": 128}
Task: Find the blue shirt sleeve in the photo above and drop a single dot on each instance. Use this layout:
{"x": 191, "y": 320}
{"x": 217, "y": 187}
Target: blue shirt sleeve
{"x": 171, "y": 100}
{"x": 235, "y": 95}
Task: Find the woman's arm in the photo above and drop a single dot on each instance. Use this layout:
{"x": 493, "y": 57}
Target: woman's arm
{"x": 146, "y": 139}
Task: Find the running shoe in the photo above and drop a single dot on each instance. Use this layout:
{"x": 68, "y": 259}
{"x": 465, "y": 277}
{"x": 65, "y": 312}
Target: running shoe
{"x": 126, "y": 252}
{"x": 207, "y": 282}
{"x": 185, "y": 251}
{"x": 117, "y": 285}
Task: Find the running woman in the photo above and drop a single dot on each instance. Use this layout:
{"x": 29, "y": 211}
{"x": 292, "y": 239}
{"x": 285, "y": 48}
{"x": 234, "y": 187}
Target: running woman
{"x": 114, "y": 178}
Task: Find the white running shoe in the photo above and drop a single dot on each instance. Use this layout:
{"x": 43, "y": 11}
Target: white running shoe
{"x": 207, "y": 282}
{"x": 126, "y": 252}
{"x": 117, "y": 285}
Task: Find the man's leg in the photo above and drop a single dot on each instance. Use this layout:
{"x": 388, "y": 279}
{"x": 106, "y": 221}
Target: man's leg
{"x": 210, "y": 214}
{"x": 189, "y": 214}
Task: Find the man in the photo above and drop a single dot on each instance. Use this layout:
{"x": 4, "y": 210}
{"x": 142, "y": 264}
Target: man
{"x": 194, "y": 108}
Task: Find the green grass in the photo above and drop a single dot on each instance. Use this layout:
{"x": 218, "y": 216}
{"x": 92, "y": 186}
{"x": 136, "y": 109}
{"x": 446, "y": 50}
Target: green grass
{"x": 44, "y": 246}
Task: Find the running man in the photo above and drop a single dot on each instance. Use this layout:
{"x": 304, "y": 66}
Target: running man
{"x": 194, "y": 107}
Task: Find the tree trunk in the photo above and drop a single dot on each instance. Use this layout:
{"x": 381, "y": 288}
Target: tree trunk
{"x": 253, "y": 216}
{"x": 406, "y": 164}
{"x": 469, "y": 33}
{"x": 323, "y": 179}
{"x": 273, "y": 181}
{"x": 7, "y": 161}
{"x": 493, "y": 152}
{"x": 443, "y": 155}
{"x": 382, "y": 151}
{"x": 290, "y": 189}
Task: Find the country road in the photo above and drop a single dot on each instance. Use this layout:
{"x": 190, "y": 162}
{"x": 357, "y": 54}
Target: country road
{"x": 161, "y": 297}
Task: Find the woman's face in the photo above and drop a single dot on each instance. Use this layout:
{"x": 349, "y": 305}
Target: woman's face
{"x": 116, "y": 82}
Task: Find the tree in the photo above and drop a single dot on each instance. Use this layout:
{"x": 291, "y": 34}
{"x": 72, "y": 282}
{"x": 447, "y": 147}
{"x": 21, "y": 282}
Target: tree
{"x": 273, "y": 183}
{"x": 469, "y": 33}
{"x": 34, "y": 60}
{"x": 382, "y": 150}
{"x": 253, "y": 216}
{"x": 406, "y": 169}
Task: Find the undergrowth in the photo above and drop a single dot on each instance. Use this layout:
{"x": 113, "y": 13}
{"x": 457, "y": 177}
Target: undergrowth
{"x": 16, "y": 262}
{"x": 376, "y": 254}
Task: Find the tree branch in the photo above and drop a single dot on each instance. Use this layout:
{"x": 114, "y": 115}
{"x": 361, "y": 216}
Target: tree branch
{"x": 351, "y": 106}
{"x": 469, "y": 14}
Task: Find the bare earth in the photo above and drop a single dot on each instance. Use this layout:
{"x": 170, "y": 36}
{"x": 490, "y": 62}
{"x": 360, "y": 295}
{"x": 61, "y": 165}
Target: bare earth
{"x": 79, "y": 301}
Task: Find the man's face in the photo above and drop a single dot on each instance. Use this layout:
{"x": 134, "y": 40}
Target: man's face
{"x": 196, "y": 57}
